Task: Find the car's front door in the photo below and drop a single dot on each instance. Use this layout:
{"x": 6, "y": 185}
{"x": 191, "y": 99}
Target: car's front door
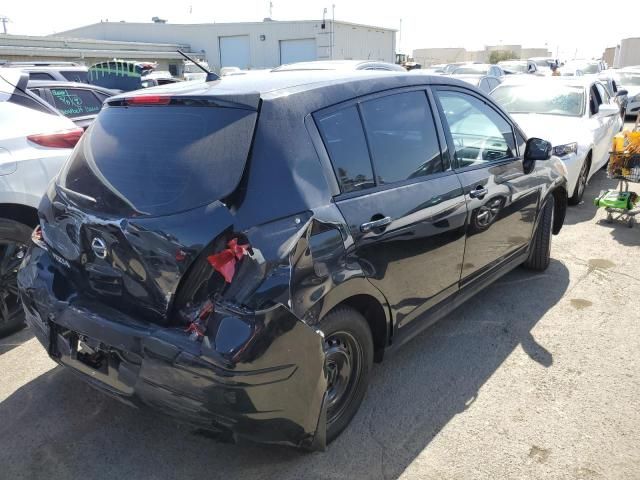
{"x": 502, "y": 193}
{"x": 403, "y": 203}
{"x": 601, "y": 130}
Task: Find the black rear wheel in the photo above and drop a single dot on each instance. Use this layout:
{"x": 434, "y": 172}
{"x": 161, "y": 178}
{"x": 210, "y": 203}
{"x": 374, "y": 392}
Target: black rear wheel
{"x": 14, "y": 238}
{"x": 348, "y": 358}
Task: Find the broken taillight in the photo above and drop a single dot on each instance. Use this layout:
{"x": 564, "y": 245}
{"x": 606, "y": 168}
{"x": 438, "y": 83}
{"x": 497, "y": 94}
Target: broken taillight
{"x": 63, "y": 139}
{"x": 37, "y": 238}
{"x": 225, "y": 261}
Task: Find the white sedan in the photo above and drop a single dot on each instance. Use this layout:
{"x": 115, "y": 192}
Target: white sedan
{"x": 629, "y": 79}
{"x": 35, "y": 140}
{"x": 577, "y": 115}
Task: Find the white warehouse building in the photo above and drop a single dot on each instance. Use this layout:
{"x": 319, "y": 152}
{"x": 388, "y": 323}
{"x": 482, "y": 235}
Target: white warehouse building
{"x": 256, "y": 45}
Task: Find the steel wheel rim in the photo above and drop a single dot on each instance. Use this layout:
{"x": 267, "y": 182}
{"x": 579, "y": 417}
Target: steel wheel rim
{"x": 343, "y": 366}
{"x": 11, "y": 254}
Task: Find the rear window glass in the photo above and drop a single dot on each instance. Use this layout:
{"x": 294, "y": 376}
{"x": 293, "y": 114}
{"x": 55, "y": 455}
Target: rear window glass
{"x": 76, "y": 76}
{"x": 73, "y": 102}
{"x": 402, "y": 137}
{"x": 345, "y": 142}
{"x": 160, "y": 159}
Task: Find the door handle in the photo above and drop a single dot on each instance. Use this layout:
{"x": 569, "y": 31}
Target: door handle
{"x": 479, "y": 192}
{"x": 374, "y": 224}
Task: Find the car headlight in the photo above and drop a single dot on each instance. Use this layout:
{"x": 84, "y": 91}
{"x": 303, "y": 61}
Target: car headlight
{"x": 562, "y": 150}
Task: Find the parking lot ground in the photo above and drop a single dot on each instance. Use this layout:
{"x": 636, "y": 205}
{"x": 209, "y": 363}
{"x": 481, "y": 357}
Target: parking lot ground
{"x": 536, "y": 377}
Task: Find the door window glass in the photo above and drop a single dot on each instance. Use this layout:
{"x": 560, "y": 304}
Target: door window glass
{"x": 402, "y": 137}
{"x": 344, "y": 140}
{"x": 480, "y": 134}
{"x": 604, "y": 96}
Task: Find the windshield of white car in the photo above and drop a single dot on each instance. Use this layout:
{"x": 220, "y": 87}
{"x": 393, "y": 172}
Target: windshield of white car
{"x": 632, "y": 79}
{"x": 470, "y": 69}
{"x": 543, "y": 63}
{"x": 515, "y": 66}
{"x": 564, "y": 100}
{"x": 586, "y": 68}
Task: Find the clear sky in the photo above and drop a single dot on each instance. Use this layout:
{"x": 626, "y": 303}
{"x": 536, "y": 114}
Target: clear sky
{"x": 569, "y": 28}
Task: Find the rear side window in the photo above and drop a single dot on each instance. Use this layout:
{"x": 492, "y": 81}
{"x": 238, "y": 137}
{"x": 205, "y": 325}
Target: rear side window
{"x": 74, "y": 102}
{"x": 159, "y": 160}
{"x": 79, "y": 76}
{"x": 31, "y": 101}
{"x": 345, "y": 142}
{"x": 402, "y": 137}
{"x": 40, "y": 76}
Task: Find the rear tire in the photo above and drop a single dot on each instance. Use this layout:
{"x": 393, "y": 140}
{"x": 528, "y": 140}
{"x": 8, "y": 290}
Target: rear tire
{"x": 540, "y": 252}
{"x": 14, "y": 239}
{"x": 349, "y": 357}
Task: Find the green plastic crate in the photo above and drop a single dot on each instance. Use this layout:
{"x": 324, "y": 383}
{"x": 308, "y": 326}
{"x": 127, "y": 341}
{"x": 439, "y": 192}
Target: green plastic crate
{"x": 615, "y": 199}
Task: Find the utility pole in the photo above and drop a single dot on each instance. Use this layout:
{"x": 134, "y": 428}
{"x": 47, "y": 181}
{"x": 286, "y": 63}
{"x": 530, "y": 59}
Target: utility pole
{"x": 4, "y": 21}
{"x": 270, "y": 9}
{"x": 333, "y": 20}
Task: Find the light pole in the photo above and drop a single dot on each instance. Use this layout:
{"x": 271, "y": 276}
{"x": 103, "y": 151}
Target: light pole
{"x": 333, "y": 19}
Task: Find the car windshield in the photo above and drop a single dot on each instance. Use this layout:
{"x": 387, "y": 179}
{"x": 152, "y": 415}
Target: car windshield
{"x": 562, "y": 100}
{"x": 477, "y": 69}
{"x": 586, "y": 68}
{"x": 543, "y": 63}
{"x": 520, "y": 67}
{"x": 632, "y": 79}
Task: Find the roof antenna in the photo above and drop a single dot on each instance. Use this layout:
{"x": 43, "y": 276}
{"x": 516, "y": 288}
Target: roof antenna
{"x": 210, "y": 75}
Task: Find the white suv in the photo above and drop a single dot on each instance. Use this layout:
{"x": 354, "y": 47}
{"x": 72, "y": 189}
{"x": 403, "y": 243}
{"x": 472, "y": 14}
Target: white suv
{"x": 35, "y": 140}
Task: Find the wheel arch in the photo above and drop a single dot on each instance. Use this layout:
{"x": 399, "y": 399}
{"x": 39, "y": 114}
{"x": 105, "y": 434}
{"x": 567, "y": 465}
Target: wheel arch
{"x": 19, "y": 213}
{"x": 358, "y": 293}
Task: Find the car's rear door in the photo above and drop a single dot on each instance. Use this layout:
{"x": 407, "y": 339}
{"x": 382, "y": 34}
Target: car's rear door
{"x": 403, "y": 203}
{"x": 502, "y": 193}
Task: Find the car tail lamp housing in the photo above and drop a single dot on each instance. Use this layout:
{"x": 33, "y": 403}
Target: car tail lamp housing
{"x": 61, "y": 139}
{"x": 149, "y": 100}
{"x": 37, "y": 238}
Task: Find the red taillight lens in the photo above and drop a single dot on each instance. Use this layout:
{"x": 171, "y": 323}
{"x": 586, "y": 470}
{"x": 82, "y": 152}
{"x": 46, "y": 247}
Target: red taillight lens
{"x": 37, "y": 238}
{"x": 149, "y": 100}
{"x": 63, "y": 139}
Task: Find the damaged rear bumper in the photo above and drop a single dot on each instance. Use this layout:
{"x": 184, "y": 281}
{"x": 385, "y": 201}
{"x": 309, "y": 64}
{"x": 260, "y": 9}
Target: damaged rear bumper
{"x": 260, "y": 376}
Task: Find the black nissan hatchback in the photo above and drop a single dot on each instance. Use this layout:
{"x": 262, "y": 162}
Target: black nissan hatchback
{"x": 237, "y": 253}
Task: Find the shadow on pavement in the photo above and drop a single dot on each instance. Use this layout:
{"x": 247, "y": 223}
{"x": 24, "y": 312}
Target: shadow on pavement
{"x": 14, "y": 340}
{"x": 56, "y": 427}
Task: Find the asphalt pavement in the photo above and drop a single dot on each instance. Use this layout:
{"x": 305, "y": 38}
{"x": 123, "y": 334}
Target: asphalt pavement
{"x": 538, "y": 376}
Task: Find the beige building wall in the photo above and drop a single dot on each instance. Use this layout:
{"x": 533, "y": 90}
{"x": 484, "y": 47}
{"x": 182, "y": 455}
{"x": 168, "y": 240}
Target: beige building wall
{"x": 342, "y": 40}
{"x": 433, "y": 56}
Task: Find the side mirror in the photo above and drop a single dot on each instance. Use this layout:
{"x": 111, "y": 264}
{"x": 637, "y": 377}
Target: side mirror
{"x": 608, "y": 109}
{"x": 622, "y": 93}
{"x": 537, "y": 149}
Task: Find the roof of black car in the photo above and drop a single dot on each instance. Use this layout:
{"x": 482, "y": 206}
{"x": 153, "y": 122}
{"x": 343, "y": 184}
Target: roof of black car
{"x": 277, "y": 84}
